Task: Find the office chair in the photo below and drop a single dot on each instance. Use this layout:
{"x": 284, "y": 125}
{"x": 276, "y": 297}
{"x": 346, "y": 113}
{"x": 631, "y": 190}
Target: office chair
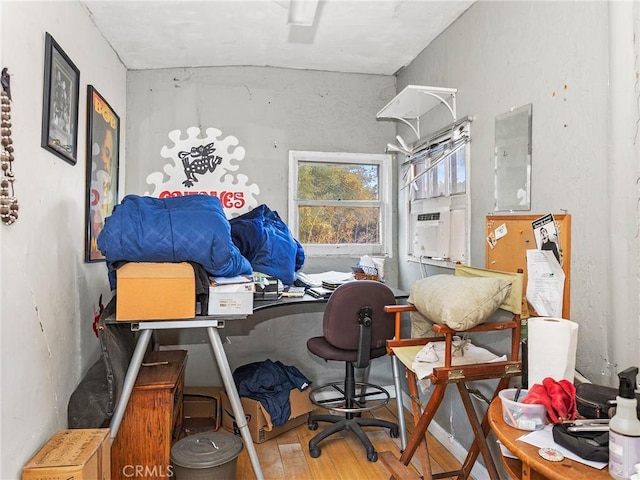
{"x": 355, "y": 329}
{"x": 456, "y": 372}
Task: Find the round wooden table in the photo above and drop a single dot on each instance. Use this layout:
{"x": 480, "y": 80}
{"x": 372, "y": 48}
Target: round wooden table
{"x": 530, "y": 465}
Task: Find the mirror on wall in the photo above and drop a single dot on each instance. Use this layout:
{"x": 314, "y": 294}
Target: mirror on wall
{"x": 513, "y": 160}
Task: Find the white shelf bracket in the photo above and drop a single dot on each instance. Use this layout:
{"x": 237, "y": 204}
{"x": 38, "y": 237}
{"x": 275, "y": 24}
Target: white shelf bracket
{"x": 452, "y": 107}
{"x": 415, "y": 128}
{"x": 414, "y": 101}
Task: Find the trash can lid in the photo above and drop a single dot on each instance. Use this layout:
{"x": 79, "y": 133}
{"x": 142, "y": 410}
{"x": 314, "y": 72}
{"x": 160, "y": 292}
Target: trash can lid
{"x": 205, "y": 450}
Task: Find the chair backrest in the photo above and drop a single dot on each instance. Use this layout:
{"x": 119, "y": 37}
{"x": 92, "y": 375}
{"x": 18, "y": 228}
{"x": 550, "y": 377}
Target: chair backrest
{"x": 513, "y": 302}
{"x": 341, "y": 321}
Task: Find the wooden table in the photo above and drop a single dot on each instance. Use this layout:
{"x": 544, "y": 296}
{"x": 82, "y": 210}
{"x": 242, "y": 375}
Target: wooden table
{"x": 530, "y": 465}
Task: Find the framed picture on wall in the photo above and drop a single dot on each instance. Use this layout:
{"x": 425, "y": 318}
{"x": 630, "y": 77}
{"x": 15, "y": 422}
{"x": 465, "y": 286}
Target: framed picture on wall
{"x": 60, "y": 103}
{"x": 103, "y": 146}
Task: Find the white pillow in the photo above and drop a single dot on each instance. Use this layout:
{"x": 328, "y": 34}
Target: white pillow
{"x": 458, "y": 302}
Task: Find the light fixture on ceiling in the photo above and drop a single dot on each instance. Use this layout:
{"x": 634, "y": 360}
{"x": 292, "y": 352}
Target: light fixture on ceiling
{"x": 302, "y": 12}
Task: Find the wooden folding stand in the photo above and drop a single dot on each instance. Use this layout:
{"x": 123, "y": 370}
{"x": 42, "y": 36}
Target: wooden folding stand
{"x": 460, "y": 375}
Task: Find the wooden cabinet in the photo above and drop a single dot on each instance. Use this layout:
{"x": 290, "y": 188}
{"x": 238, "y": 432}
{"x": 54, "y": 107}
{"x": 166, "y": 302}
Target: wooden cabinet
{"x": 152, "y": 419}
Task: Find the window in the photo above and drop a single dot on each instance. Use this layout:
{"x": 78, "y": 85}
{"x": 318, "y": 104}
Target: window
{"x": 340, "y": 203}
{"x": 438, "y": 197}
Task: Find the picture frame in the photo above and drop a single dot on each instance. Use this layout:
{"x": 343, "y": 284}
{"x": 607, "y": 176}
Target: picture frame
{"x": 60, "y": 103}
{"x": 103, "y": 147}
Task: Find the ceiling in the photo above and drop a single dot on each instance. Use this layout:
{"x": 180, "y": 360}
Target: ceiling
{"x": 355, "y": 36}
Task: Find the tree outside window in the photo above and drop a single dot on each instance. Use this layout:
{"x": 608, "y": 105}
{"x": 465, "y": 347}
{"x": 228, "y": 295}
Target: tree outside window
{"x": 339, "y": 202}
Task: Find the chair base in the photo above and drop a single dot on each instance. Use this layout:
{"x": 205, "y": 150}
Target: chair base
{"x": 332, "y": 397}
{"x": 355, "y": 425}
{"x": 352, "y": 408}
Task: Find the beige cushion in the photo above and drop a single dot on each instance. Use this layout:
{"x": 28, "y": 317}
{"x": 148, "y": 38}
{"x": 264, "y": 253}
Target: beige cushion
{"x": 457, "y": 302}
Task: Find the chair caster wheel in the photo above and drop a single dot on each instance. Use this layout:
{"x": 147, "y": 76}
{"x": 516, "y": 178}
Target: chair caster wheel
{"x": 312, "y": 425}
{"x": 372, "y": 456}
{"x": 394, "y": 433}
{"x": 314, "y": 452}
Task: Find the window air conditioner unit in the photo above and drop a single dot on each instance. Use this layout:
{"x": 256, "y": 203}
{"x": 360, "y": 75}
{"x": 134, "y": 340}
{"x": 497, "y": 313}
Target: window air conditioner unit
{"x": 431, "y": 232}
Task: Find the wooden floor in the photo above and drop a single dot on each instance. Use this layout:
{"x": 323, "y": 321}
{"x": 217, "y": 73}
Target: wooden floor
{"x": 342, "y": 455}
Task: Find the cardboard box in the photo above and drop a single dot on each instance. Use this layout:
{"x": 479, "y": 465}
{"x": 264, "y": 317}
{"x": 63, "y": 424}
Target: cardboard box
{"x": 155, "y": 291}
{"x": 77, "y": 454}
{"x": 233, "y": 299}
{"x": 202, "y": 409}
{"x": 259, "y": 420}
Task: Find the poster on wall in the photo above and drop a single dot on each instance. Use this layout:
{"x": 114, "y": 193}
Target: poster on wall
{"x": 60, "y": 103}
{"x": 205, "y": 162}
{"x": 103, "y": 146}
{"x": 546, "y": 235}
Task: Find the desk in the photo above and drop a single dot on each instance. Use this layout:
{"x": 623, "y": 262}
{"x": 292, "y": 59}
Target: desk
{"x": 529, "y": 464}
{"x": 211, "y": 324}
{"x": 306, "y": 299}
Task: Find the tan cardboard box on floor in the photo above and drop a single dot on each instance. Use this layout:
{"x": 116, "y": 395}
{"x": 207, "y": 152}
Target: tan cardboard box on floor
{"x": 155, "y": 291}
{"x": 79, "y": 454}
{"x": 259, "y": 420}
{"x": 201, "y": 409}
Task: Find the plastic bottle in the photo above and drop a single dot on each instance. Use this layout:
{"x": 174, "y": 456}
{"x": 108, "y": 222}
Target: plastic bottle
{"x": 624, "y": 428}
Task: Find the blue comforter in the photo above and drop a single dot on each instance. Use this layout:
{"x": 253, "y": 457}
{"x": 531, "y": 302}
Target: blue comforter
{"x": 178, "y": 229}
{"x": 266, "y": 241}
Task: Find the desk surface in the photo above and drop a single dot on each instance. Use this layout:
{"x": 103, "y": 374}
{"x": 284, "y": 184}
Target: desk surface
{"x": 108, "y": 315}
{"x": 531, "y": 465}
{"x": 306, "y": 299}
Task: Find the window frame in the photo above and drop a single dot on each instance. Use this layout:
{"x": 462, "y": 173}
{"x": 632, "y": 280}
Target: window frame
{"x": 450, "y": 201}
{"x": 384, "y": 202}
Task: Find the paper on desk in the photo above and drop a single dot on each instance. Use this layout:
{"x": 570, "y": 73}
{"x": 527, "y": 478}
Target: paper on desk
{"x": 544, "y": 438}
{"x": 505, "y": 451}
{"x": 545, "y": 283}
{"x": 231, "y": 280}
{"x": 316, "y": 279}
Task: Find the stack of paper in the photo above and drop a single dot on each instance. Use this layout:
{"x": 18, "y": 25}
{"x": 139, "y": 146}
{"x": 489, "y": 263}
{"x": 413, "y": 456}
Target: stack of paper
{"x": 230, "y": 280}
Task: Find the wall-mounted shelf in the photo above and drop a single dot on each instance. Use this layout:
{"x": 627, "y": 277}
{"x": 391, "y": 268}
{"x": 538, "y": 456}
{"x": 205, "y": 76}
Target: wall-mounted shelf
{"x": 414, "y": 101}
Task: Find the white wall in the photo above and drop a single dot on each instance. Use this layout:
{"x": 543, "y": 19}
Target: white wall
{"x": 48, "y": 292}
{"x": 506, "y": 54}
{"x": 270, "y": 111}
{"x": 557, "y": 56}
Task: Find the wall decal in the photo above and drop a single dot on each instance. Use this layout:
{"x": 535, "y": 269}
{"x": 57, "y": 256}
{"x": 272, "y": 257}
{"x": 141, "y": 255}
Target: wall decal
{"x": 205, "y": 165}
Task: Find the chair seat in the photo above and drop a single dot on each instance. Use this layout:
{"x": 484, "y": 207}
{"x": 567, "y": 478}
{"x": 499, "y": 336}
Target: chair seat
{"x": 320, "y": 347}
{"x": 407, "y": 355}
{"x": 474, "y": 355}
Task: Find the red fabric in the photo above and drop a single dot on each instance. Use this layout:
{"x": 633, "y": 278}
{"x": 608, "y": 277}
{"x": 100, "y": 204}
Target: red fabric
{"x": 558, "y": 398}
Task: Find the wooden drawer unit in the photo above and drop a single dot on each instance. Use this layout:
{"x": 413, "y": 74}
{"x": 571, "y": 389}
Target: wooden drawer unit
{"x": 152, "y": 419}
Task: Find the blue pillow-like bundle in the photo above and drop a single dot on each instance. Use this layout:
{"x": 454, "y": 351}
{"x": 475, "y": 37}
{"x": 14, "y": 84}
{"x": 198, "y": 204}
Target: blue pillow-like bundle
{"x": 193, "y": 228}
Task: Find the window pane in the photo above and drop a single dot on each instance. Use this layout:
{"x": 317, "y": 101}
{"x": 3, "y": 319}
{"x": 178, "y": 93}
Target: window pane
{"x": 420, "y": 189}
{"x": 437, "y": 180}
{"x": 330, "y": 181}
{"x": 458, "y": 173}
{"x": 339, "y": 225}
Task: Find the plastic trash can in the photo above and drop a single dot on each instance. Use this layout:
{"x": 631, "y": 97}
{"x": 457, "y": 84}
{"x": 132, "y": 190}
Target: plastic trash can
{"x": 205, "y": 456}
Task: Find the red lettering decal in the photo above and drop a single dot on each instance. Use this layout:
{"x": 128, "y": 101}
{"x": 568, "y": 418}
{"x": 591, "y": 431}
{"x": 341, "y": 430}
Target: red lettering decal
{"x": 239, "y": 197}
{"x": 227, "y": 199}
